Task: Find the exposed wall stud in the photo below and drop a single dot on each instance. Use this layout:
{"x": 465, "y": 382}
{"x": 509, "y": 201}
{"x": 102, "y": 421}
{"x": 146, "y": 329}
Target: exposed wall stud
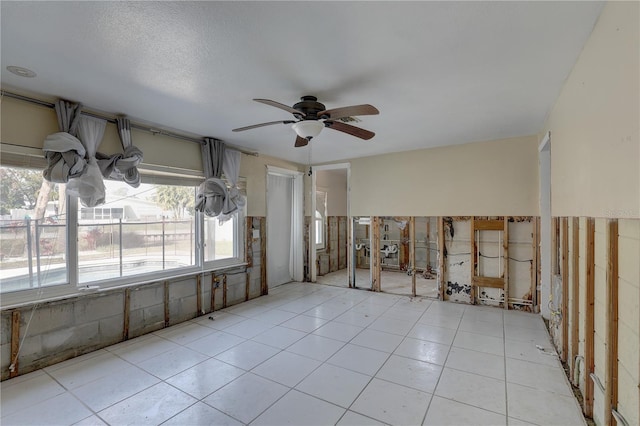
{"x": 565, "y": 288}
{"x": 412, "y": 253}
{"x": 264, "y": 287}
{"x": 224, "y": 291}
{"x": 575, "y": 293}
{"x": 405, "y": 247}
{"x": 428, "y": 239}
{"x": 327, "y": 243}
{"x": 213, "y": 292}
{"x": 15, "y": 342}
{"x": 474, "y": 258}
{"x": 505, "y": 270}
{"x": 375, "y": 254}
{"x": 534, "y": 265}
{"x": 589, "y": 318}
{"x": 338, "y": 242}
{"x": 441, "y": 262}
{"x": 611, "y": 338}
{"x": 248, "y": 253}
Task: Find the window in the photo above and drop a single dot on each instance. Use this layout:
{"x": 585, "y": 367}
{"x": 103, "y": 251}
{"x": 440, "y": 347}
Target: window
{"x": 137, "y": 231}
{"x": 321, "y": 208}
{"x": 319, "y": 231}
{"x": 33, "y": 231}
{"x": 149, "y": 231}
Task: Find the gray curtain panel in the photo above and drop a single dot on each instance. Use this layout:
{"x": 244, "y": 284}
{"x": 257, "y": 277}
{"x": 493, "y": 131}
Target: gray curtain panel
{"x": 212, "y": 193}
{"x": 231, "y": 171}
{"x": 65, "y": 154}
{"x": 123, "y": 167}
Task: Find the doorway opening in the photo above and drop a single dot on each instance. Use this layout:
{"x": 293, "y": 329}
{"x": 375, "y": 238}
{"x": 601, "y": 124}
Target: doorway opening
{"x": 330, "y": 228}
{"x": 285, "y": 221}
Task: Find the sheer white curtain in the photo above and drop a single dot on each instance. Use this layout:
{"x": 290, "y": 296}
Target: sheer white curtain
{"x": 90, "y": 187}
{"x": 279, "y": 229}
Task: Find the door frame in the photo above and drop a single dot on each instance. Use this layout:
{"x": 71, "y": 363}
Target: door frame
{"x": 312, "y": 229}
{"x": 297, "y": 220}
{"x": 544, "y": 167}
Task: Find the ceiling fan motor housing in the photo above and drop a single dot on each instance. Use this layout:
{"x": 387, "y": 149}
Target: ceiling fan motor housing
{"x": 310, "y": 107}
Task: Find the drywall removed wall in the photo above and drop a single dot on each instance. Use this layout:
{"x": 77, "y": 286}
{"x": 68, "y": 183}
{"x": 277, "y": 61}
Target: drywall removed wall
{"x": 483, "y": 178}
{"x": 595, "y": 153}
{"x": 599, "y": 313}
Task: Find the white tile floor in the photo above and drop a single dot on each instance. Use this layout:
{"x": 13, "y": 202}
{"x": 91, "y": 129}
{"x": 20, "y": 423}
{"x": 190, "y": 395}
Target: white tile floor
{"x": 310, "y": 354}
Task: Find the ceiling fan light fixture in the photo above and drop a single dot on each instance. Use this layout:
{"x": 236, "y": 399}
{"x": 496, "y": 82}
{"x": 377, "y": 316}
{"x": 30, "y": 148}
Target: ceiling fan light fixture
{"x": 308, "y": 129}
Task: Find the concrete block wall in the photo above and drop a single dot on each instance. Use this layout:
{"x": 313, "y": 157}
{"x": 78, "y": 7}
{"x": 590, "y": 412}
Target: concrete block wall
{"x": 54, "y": 331}
{"x": 5, "y": 341}
{"x": 146, "y": 309}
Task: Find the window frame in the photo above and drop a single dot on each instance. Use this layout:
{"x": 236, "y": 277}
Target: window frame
{"x": 32, "y": 159}
{"x": 320, "y": 223}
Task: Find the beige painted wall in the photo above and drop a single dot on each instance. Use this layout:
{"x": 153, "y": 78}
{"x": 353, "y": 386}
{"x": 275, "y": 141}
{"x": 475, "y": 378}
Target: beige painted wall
{"x": 483, "y": 178}
{"x": 595, "y": 123}
{"x": 25, "y": 124}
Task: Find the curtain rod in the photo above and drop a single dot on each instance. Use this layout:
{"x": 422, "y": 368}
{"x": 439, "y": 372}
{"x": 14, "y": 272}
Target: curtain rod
{"x": 111, "y": 120}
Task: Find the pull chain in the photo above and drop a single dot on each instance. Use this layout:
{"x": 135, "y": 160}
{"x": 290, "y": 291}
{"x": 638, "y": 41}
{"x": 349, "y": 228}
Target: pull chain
{"x": 310, "y": 145}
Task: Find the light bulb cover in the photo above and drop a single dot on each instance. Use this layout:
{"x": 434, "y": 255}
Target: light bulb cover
{"x": 308, "y": 128}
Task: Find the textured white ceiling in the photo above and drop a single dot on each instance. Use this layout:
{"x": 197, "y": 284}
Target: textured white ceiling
{"x": 440, "y": 73}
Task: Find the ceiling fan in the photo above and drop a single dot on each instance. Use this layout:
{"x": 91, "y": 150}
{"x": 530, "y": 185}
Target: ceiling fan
{"x": 312, "y": 116}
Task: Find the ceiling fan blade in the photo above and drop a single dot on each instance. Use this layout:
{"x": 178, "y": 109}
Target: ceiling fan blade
{"x": 240, "y": 129}
{"x": 281, "y": 106}
{"x": 349, "y": 111}
{"x": 301, "y": 142}
{"x": 349, "y": 129}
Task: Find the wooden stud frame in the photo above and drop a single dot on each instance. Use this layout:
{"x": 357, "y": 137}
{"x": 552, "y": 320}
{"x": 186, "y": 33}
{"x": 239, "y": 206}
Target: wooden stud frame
{"x": 264, "y": 287}
{"x": 505, "y": 254}
{"x": 374, "y": 259}
{"x": 564, "y": 223}
{"x": 198, "y": 295}
{"x": 213, "y": 292}
{"x": 428, "y": 241}
{"x": 412, "y": 253}
{"x": 441, "y": 262}
{"x": 575, "y": 293}
{"x": 474, "y": 258}
{"x": 589, "y": 318}
{"x": 248, "y": 254}
{"x": 534, "y": 263}
{"x": 15, "y": 342}
{"x": 611, "y": 338}
{"x": 492, "y": 282}
{"x": 224, "y": 291}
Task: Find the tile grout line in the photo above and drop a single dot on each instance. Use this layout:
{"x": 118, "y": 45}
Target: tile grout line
{"x": 424, "y": 418}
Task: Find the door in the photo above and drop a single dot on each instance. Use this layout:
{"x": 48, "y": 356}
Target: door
{"x": 284, "y": 227}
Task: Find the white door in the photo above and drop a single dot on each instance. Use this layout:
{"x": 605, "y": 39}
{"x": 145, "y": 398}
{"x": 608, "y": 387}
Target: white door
{"x": 284, "y": 227}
